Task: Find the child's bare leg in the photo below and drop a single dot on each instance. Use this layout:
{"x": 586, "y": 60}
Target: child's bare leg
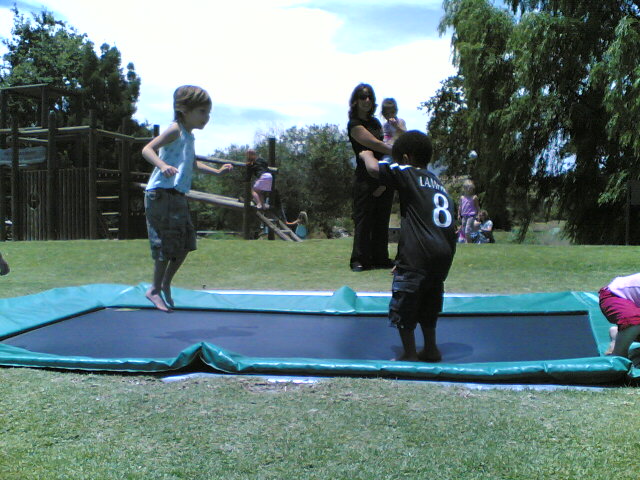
{"x": 257, "y": 198}
{"x": 467, "y": 229}
{"x": 613, "y": 332}
{"x": 172, "y": 268}
{"x": 409, "y": 345}
{"x": 153, "y": 293}
{"x": 430, "y": 352}
{"x": 624, "y": 339}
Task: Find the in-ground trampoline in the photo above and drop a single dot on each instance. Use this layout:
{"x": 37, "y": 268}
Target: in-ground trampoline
{"x": 553, "y": 338}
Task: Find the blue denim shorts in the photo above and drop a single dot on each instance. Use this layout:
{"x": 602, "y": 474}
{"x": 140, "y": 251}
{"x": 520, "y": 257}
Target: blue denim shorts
{"x": 415, "y": 299}
{"x": 171, "y": 232}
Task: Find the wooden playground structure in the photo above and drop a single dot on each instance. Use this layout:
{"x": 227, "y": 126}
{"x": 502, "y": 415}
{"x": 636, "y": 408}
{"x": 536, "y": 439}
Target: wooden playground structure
{"x": 61, "y": 183}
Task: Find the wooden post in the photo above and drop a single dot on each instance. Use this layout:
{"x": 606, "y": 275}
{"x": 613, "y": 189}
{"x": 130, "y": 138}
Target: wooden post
{"x": 3, "y": 145}
{"x": 44, "y": 109}
{"x": 627, "y": 214}
{"x": 272, "y": 200}
{"x": 93, "y": 176}
{"x": 3, "y": 206}
{"x": 52, "y": 181}
{"x": 16, "y": 218}
{"x": 246, "y": 211}
{"x": 633, "y": 200}
{"x": 78, "y": 159}
{"x": 3, "y": 116}
{"x": 125, "y": 181}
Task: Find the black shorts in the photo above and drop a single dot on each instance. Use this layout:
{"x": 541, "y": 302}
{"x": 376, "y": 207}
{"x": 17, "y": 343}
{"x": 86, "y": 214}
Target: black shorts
{"x": 415, "y": 299}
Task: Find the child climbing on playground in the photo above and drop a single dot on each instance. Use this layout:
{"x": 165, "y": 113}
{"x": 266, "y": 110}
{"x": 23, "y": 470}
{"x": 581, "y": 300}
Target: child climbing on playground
{"x": 393, "y": 127}
{"x": 301, "y": 225}
{"x": 172, "y": 153}
{"x": 259, "y": 168}
{"x": 468, "y": 209}
{"x": 620, "y": 303}
{"x": 427, "y": 242}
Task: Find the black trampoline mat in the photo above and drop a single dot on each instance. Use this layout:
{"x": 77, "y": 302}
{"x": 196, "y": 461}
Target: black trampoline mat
{"x": 147, "y": 333}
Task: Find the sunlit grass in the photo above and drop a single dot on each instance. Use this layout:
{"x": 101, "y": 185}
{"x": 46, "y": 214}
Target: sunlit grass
{"x": 311, "y": 265}
{"x": 68, "y": 425}
{"x": 65, "y": 425}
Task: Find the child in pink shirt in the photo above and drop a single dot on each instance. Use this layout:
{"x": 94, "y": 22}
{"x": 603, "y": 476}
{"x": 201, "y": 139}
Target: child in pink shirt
{"x": 468, "y": 209}
{"x": 620, "y": 303}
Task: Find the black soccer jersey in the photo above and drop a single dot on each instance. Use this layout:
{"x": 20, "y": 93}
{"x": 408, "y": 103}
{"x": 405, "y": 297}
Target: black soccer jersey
{"x": 427, "y": 230}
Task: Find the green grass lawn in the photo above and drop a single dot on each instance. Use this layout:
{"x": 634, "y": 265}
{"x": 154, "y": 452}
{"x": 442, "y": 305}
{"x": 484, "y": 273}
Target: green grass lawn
{"x": 311, "y": 265}
{"x": 70, "y": 425}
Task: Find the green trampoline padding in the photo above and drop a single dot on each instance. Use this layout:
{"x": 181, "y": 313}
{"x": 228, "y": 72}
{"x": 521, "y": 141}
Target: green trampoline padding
{"x": 543, "y": 338}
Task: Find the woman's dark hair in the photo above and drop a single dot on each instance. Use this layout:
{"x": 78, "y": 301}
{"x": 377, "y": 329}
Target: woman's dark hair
{"x": 353, "y": 102}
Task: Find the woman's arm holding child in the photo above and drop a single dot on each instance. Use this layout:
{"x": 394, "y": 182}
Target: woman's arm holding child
{"x": 364, "y": 137}
{"x": 371, "y": 162}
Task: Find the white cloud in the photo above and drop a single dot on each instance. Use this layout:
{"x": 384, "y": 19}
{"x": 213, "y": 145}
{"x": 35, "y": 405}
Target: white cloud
{"x": 6, "y": 21}
{"x": 278, "y": 55}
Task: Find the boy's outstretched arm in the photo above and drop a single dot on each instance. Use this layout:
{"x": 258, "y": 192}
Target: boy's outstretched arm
{"x": 371, "y": 163}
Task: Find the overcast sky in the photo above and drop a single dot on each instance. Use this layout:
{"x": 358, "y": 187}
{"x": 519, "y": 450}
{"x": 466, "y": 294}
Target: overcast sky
{"x": 268, "y": 64}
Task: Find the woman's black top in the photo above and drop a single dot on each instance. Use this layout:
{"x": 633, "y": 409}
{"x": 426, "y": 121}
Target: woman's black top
{"x": 373, "y": 126}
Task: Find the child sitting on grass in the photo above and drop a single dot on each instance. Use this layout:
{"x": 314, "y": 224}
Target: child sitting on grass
{"x": 427, "y": 242}
{"x": 482, "y": 229}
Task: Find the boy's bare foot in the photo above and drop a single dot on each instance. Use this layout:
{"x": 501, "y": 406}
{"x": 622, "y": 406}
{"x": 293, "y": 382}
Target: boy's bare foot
{"x": 431, "y": 355}
{"x": 166, "y": 291}
{"x": 156, "y": 299}
{"x": 613, "y": 333}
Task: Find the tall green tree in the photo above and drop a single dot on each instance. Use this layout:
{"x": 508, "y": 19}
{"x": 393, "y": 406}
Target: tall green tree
{"x": 552, "y": 95}
{"x": 449, "y": 127}
{"x": 42, "y": 49}
{"x": 316, "y": 174}
{"x": 557, "y": 47}
{"x": 485, "y": 77}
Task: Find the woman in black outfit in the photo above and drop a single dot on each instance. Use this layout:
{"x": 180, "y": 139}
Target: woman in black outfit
{"x": 371, "y": 200}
